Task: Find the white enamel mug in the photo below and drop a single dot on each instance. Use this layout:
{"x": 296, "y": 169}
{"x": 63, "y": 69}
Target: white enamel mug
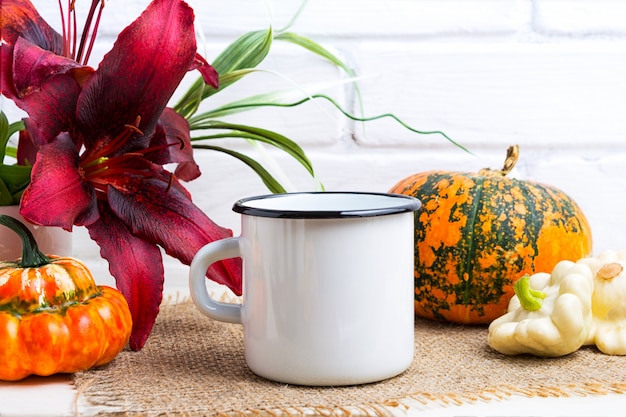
{"x": 327, "y": 285}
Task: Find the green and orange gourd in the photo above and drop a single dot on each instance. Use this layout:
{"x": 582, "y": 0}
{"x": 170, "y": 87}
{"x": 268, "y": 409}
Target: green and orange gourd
{"x": 53, "y": 317}
{"x": 477, "y": 233}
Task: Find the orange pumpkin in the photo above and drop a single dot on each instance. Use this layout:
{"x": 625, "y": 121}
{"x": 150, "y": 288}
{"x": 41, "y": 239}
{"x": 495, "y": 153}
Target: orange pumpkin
{"x": 477, "y": 233}
{"x": 53, "y": 317}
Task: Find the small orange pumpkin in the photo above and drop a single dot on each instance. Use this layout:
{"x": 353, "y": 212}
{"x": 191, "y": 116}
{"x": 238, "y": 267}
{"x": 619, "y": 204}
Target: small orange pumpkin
{"x": 477, "y": 233}
{"x": 53, "y": 317}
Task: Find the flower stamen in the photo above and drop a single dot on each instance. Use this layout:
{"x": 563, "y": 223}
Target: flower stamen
{"x": 80, "y": 52}
{"x": 94, "y": 32}
{"x": 134, "y": 127}
{"x": 114, "y": 144}
{"x": 107, "y": 161}
{"x": 89, "y": 31}
{"x": 64, "y": 31}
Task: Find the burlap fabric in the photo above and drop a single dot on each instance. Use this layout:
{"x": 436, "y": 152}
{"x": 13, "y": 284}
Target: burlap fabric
{"x": 194, "y": 366}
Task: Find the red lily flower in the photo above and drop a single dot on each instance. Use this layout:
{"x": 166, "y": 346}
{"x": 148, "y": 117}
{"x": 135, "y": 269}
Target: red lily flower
{"x": 102, "y": 137}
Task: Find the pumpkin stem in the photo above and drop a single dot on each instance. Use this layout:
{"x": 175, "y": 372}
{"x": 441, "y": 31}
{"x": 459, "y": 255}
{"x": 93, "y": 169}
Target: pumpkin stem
{"x": 32, "y": 257}
{"x": 512, "y": 153}
{"x": 529, "y": 298}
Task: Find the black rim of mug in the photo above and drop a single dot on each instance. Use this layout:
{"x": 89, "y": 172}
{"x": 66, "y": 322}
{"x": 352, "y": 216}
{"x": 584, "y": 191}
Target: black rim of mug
{"x": 398, "y": 203}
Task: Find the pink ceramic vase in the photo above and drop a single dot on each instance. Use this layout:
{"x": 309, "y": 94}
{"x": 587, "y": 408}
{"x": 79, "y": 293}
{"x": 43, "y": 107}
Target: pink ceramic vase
{"x": 51, "y": 240}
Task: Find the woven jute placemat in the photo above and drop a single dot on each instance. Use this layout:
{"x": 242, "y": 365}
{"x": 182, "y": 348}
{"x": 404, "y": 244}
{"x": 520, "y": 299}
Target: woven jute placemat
{"x": 194, "y": 366}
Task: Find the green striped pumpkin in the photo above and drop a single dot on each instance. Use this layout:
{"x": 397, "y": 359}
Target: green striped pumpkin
{"x": 477, "y": 233}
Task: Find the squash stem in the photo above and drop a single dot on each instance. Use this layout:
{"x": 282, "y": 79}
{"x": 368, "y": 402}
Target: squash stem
{"x": 530, "y": 298}
{"x": 609, "y": 271}
{"x": 32, "y": 257}
{"x": 512, "y": 153}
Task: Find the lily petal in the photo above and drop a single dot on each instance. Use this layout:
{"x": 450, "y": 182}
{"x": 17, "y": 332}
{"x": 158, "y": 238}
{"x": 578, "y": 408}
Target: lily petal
{"x": 52, "y": 107}
{"x": 209, "y": 74}
{"x": 32, "y": 66}
{"x": 169, "y": 218}
{"x": 137, "y": 266}
{"x": 19, "y": 18}
{"x": 30, "y": 140}
{"x": 56, "y": 195}
{"x": 172, "y": 141}
{"x": 147, "y": 63}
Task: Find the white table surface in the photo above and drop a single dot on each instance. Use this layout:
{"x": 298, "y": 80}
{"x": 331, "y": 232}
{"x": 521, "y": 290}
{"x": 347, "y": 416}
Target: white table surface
{"x": 55, "y": 396}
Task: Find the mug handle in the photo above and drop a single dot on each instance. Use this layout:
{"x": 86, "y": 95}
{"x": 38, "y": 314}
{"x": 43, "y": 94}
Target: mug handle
{"x": 207, "y": 255}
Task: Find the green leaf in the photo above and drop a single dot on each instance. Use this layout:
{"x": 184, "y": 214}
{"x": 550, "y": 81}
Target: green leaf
{"x": 6, "y": 131}
{"x": 15, "y": 176}
{"x": 248, "y": 51}
{"x": 240, "y": 59}
{"x": 255, "y": 133}
{"x": 199, "y": 123}
{"x": 11, "y": 151}
{"x": 314, "y": 47}
{"x": 16, "y": 127}
{"x": 295, "y": 16}
{"x": 4, "y": 134}
{"x": 6, "y": 199}
{"x": 318, "y": 49}
{"x": 13, "y": 181}
{"x": 236, "y": 61}
{"x": 282, "y": 98}
{"x": 234, "y": 76}
{"x": 270, "y": 182}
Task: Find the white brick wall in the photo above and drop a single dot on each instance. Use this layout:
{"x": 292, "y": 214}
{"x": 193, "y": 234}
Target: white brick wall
{"x": 549, "y": 75}
{"x": 580, "y": 17}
